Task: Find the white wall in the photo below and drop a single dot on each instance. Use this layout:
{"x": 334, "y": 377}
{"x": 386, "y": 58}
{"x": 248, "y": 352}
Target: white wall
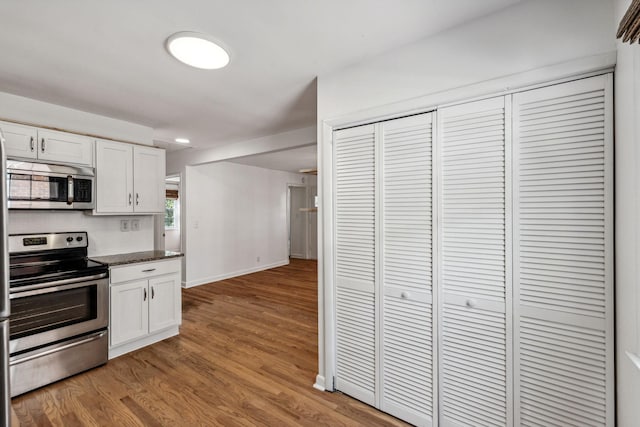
{"x": 527, "y": 43}
{"x": 627, "y": 127}
{"x": 19, "y": 108}
{"x": 233, "y": 215}
{"x": 526, "y": 36}
{"x": 105, "y": 237}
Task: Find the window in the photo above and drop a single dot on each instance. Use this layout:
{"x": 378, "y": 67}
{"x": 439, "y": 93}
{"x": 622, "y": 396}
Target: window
{"x": 171, "y": 208}
{"x": 170, "y": 213}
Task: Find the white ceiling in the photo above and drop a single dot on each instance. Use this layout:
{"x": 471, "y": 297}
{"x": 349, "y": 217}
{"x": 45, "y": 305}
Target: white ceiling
{"x": 108, "y": 57}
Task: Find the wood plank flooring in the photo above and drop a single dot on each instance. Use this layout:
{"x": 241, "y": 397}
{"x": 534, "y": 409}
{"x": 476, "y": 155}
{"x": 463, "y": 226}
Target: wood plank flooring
{"x": 246, "y": 355}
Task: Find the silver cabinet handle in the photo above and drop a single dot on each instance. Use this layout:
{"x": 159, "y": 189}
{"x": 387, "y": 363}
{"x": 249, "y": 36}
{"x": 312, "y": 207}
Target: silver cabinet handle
{"x": 130, "y": 199}
{"x": 145, "y": 294}
{"x": 153, "y": 293}
{"x": 137, "y": 199}
{"x": 31, "y": 144}
{"x": 148, "y": 270}
{"x": 42, "y": 145}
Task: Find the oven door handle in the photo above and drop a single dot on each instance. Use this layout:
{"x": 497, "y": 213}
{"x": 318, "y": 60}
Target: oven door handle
{"x": 48, "y": 287}
{"x": 27, "y": 357}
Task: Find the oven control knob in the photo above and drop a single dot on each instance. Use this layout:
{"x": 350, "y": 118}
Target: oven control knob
{"x": 79, "y": 238}
{"x": 69, "y": 239}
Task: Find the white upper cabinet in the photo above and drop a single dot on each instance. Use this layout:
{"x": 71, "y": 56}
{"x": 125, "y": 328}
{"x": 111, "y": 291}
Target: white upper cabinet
{"x": 129, "y": 178}
{"x": 65, "y": 147}
{"x": 114, "y": 183}
{"x": 148, "y": 179}
{"x": 20, "y": 141}
{"x": 27, "y": 142}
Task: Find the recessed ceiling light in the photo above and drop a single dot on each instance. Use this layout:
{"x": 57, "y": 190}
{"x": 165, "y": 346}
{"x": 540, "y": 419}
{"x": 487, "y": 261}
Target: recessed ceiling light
{"x": 197, "y": 50}
{"x": 182, "y": 140}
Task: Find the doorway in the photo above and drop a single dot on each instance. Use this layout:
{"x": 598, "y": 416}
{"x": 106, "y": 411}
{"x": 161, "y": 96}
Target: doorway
{"x": 297, "y": 221}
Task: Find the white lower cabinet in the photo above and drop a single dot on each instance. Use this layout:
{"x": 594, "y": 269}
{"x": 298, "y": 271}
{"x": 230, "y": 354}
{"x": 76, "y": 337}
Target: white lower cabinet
{"x": 145, "y": 304}
{"x": 473, "y": 276}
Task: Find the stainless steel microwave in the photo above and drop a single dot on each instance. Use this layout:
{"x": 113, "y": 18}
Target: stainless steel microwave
{"x": 48, "y": 186}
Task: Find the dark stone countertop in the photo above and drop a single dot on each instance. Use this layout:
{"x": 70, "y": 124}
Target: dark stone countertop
{"x": 133, "y": 257}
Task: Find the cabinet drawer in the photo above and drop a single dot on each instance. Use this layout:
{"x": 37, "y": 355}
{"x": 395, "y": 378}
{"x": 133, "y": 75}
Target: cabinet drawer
{"x": 144, "y": 270}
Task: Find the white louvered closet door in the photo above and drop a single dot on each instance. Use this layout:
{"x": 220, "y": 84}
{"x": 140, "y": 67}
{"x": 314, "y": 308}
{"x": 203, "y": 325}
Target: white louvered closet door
{"x": 563, "y": 262}
{"x": 355, "y": 270}
{"x": 406, "y": 243}
{"x": 475, "y": 268}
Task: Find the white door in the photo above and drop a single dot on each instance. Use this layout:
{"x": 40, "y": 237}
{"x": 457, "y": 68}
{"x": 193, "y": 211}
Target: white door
{"x": 114, "y": 177}
{"x": 148, "y": 177}
{"x": 475, "y": 266}
{"x": 20, "y": 141}
{"x": 407, "y": 374}
{"x": 65, "y": 147}
{"x": 355, "y": 262}
{"x": 312, "y": 228}
{"x": 563, "y": 254}
{"x": 297, "y": 221}
{"x": 164, "y": 302}
{"x": 129, "y": 312}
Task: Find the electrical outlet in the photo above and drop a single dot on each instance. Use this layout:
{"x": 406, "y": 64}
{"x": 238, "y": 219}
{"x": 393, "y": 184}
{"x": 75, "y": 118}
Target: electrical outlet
{"x": 135, "y": 224}
{"x": 124, "y": 225}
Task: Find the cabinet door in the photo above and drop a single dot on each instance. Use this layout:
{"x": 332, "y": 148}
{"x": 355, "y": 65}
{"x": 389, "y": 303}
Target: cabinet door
{"x": 407, "y": 306}
{"x": 164, "y": 302}
{"x": 21, "y": 141}
{"x": 114, "y": 177}
{"x": 475, "y": 275}
{"x": 355, "y": 276}
{"x": 61, "y": 147}
{"x": 563, "y": 254}
{"x": 129, "y": 312}
{"x": 149, "y": 174}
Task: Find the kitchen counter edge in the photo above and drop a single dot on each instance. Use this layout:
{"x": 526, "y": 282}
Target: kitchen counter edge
{"x": 135, "y": 257}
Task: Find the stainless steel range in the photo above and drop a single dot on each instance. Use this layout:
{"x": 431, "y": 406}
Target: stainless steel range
{"x": 59, "y": 309}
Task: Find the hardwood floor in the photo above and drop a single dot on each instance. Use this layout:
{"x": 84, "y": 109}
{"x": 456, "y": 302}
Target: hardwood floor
{"x": 246, "y": 355}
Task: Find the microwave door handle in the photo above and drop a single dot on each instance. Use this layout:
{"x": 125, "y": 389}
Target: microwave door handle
{"x": 69, "y": 190}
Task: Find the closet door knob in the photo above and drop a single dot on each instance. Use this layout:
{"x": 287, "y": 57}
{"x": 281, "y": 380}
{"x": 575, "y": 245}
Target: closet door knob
{"x": 404, "y": 295}
{"x": 470, "y": 303}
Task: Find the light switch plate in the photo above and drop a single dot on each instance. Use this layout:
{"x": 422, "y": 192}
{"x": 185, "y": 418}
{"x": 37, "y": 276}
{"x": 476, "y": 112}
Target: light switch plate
{"x": 135, "y": 224}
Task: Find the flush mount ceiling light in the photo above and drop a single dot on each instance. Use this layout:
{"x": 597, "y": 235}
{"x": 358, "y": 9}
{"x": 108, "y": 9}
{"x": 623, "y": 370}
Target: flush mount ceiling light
{"x": 197, "y": 50}
{"x": 181, "y": 140}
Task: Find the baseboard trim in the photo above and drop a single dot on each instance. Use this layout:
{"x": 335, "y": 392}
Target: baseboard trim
{"x": 319, "y": 384}
{"x": 217, "y": 278}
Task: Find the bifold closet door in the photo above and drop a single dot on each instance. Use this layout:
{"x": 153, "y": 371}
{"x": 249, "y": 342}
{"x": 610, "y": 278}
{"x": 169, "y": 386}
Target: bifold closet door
{"x": 355, "y": 262}
{"x": 563, "y": 254}
{"x": 475, "y": 268}
{"x": 407, "y": 377}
